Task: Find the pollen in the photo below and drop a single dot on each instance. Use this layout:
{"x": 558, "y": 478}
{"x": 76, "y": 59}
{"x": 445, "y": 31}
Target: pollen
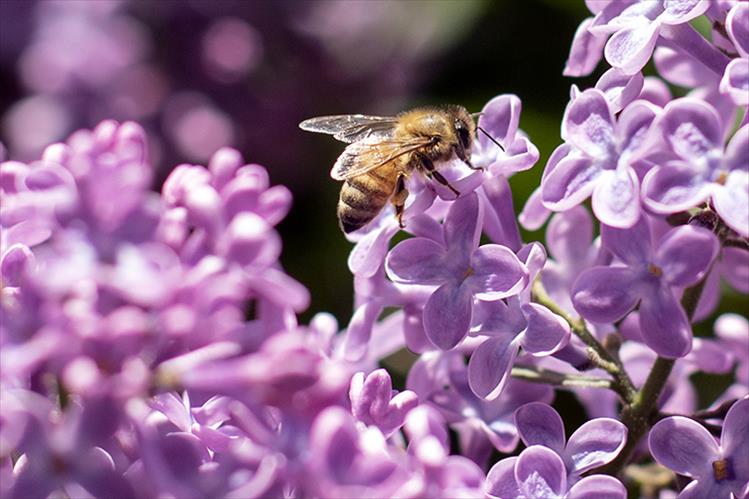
{"x": 722, "y": 177}
{"x": 655, "y": 270}
{"x": 722, "y": 470}
{"x": 467, "y": 273}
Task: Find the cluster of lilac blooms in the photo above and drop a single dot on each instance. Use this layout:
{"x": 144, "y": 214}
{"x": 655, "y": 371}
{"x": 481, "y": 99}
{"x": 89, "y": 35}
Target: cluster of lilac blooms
{"x": 150, "y": 344}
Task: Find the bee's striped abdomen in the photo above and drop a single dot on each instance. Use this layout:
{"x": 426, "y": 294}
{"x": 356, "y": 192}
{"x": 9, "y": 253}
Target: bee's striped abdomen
{"x": 362, "y": 198}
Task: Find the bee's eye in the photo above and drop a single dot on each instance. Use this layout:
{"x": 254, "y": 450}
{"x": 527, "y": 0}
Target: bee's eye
{"x": 463, "y": 134}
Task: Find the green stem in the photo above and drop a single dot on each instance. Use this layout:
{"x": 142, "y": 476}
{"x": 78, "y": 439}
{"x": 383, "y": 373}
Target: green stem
{"x": 637, "y": 415}
{"x": 597, "y": 353}
{"x": 549, "y": 377}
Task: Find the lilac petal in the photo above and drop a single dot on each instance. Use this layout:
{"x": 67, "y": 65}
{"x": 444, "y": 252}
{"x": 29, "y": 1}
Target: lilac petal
{"x": 605, "y": 294}
{"x": 585, "y": 52}
{"x": 490, "y": 365}
{"x": 737, "y": 150}
{"x": 546, "y": 332}
{"x": 274, "y": 204}
{"x": 631, "y": 245}
{"x": 499, "y": 219}
{"x": 598, "y": 487}
{"x": 595, "y": 443}
{"x": 629, "y": 49}
{"x": 736, "y": 264}
{"x": 520, "y": 155}
{"x": 588, "y": 124}
{"x": 534, "y": 212}
{"x": 691, "y": 127}
{"x": 540, "y": 424}
{"x": 684, "y": 446}
{"x": 681, "y": 11}
{"x": 359, "y": 330}
{"x": 500, "y": 480}
{"x": 497, "y": 273}
{"x": 569, "y": 183}
{"x": 732, "y": 201}
{"x": 701, "y": 489}
{"x": 540, "y": 473}
{"x": 500, "y": 117}
{"x": 616, "y": 198}
{"x": 463, "y": 227}
{"x": 620, "y": 89}
{"x": 369, "y": 252}
{"x": 685, "y": 254}
{"x": 664, "y": 325}
{"x": 633, "y": 128}
{"x": 417, "y": 260}
{"x": 13, "y": 264}
{"x": 447, "y": 315}
{"x": 737, "y": 23}
{"x": 734, "y": 439}
{"x": 735, "y": 81}
{"x": 679, "y": 68}
{"x": 673, "y": 187}
{"x": 569, "y": 235}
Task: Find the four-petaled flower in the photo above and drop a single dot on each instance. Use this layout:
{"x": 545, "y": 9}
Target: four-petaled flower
{"x": 606, "y": 294}
{"x": 460, "y": 268}
{"x": 687, "y": 448}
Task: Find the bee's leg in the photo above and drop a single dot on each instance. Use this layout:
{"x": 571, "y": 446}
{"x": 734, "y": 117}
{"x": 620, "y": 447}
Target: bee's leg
{"x": 470, "y": 165}
{"x": 399, "y": 198}
{"x": 427, "y": 164}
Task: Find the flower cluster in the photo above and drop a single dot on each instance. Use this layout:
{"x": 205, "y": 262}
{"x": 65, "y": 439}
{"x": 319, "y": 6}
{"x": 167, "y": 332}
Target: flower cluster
{"x": 150, "y": 343}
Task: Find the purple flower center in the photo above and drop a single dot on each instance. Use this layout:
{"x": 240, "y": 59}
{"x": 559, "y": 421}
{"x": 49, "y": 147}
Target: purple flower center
{"x": 722, "y": 470}
{"x": 655, "y": 270}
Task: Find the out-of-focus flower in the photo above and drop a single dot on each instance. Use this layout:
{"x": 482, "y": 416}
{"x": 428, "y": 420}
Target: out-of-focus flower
{"x": 460, "y": 268}
{"x": 598, "y": 160}
{"x": 374, "y": 403}
{"x": 735, "y": 81}
{"x": 607, "y": 294}
{"x": 687, "y": 448}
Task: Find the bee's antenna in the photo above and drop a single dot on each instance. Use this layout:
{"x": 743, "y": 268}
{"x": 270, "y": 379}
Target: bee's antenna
{"x": 492, "y": 138}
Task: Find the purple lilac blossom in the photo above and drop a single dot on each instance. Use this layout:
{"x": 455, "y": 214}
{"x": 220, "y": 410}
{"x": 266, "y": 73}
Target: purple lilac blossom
{"x": 550, "y": 468}
{"x": 607, "y": 294}
{"x": 460, "y": 268}
{"x": 687, "y": 448}
{"x": 697, "y": 166}
{"x": 597, "y": 159}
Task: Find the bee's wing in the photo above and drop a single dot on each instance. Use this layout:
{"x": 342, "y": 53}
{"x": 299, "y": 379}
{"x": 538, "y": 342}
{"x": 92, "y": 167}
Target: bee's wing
{"x": 366, "y": 155}
{"x": 351, "y": 127}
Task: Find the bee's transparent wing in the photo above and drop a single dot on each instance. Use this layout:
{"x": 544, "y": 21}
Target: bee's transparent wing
{"x": 352, "y": 127}
{"x": 366, "y": 155}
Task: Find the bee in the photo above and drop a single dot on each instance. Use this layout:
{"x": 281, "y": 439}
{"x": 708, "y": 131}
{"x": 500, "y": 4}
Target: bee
{"x": 383, "y": 151}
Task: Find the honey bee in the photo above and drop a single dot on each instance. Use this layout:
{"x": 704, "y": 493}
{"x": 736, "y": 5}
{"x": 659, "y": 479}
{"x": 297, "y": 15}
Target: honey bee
{"x": 383, "y": 151}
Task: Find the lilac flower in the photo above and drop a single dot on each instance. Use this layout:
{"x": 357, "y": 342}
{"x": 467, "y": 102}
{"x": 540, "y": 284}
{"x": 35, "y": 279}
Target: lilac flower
{"x": 636, "y": 27}
{"x": 510, "y": 325}
{"x": 375, "y": 403}
{"x": 607, "y": 294}
{"x": 348, "y": 463}
{"x": 698, "y": 167}
{"x": 460, "y": 268}
{"x": 733, "y": 332}
{"x": 438, "y": 474}
{"x": 597, "y": 159}
{"x": 500, "y": 118}
{"x": 550, "y": 468}
{"x": 687, "y": 448}
{"x": 735, "y": 81}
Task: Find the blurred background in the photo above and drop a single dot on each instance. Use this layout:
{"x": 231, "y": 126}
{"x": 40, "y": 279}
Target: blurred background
{"x": 200, "y": 74}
